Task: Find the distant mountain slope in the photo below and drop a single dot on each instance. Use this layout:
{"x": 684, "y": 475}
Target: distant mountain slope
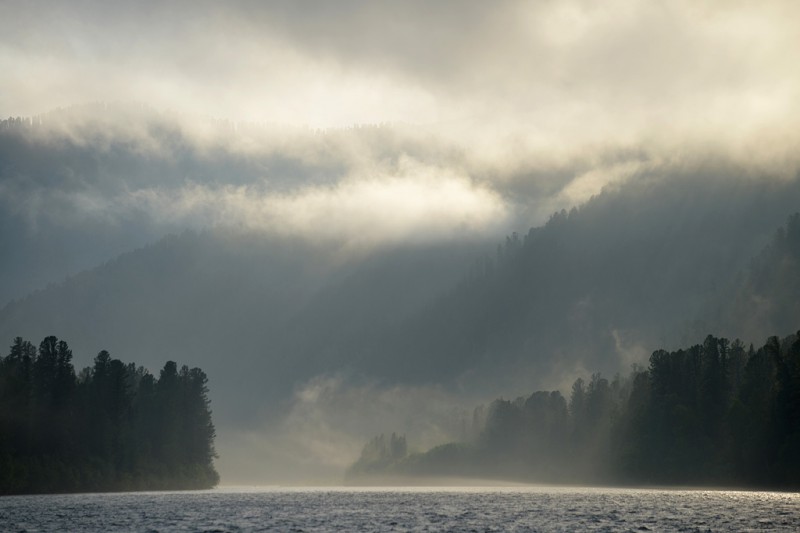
{"x": 643, "y": 264}
{"x": 648, "y": 264}
{"x": 769, "y": 294}
{"x": 259, "y": 313}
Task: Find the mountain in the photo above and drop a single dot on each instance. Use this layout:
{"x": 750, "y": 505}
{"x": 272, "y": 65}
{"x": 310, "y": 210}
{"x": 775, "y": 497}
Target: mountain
{"x": 334, "y": 283}
{"x": 257, "y": 311}
{"x": 651, "y": 263}
{"x": 767, "y": 293}
{"x": 641, "y": 265}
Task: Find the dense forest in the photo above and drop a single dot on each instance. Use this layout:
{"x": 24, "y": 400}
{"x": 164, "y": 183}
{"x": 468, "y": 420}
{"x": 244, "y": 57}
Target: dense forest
{"x": 717, "y": 413}
{"x": 112, "y": 426}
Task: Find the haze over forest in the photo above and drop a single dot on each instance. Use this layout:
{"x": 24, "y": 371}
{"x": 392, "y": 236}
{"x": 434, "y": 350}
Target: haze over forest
{"x": 365, "y": 218}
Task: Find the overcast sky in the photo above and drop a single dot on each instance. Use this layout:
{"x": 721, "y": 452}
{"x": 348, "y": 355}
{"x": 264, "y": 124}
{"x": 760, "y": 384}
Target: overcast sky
{"x": 561, "y": 71}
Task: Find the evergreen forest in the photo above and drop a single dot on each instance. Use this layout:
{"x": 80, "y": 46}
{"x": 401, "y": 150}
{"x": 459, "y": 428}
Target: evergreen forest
{"x": 715, "y": 414}
{"x": 112, "y": 426}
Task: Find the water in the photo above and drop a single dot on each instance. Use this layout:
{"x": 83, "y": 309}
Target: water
{"x": 406, "y": 509}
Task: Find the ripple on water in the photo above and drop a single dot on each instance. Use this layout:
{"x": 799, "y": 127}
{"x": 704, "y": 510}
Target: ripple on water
{"x": 473, "y": 509}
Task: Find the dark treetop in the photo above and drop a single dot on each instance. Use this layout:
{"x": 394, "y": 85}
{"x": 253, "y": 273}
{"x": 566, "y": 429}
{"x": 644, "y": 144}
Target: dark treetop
{"x": 111, "y": 427}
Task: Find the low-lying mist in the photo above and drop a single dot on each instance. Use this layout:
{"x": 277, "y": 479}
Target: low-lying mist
{"x": 327, "y": 421}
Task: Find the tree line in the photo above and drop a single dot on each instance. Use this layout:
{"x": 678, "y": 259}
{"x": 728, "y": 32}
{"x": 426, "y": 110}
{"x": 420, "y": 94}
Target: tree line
{"x": 717, "y": 413}
{"x": 111, "y": 426}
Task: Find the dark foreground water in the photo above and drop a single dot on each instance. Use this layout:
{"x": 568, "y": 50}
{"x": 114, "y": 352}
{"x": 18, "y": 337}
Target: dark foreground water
{"x": 406, "y": 509}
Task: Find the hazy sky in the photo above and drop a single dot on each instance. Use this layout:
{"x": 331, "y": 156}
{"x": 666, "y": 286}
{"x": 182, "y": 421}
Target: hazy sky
{"x": 559, "y": 71}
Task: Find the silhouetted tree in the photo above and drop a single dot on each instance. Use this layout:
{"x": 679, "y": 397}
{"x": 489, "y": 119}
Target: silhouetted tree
{"x": 710, "y": 414}
{"x": 111, "y": 427}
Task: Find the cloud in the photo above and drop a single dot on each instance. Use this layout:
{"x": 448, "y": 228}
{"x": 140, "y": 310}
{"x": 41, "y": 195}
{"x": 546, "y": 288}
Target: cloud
{"x": 564, "y": 72}
{"x": 501, "y": 112}
{"x": 417, "y": 203}
{"x": 514, "y": 86}
{"x": 410, "y": 203}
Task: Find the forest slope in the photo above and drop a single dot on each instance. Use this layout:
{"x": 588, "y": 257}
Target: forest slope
{"x": 650, "y": 263}
{"x": 653, "y": 263}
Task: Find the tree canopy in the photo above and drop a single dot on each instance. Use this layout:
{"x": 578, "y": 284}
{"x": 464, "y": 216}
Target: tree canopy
{"x": 716, "y": 413}
{"x": 113, "y": 426}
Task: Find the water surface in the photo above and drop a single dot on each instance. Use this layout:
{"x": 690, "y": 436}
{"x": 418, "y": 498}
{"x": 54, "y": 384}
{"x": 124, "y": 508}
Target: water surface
{"x": 406, "y": 509}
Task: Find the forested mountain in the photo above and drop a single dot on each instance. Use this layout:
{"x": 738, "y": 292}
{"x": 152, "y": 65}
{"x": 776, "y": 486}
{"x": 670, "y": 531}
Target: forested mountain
{"x": 767, "y": 295}
{"x": 274, "y": 257}
{"x": 714, "y": 414}
{"x": 263, "y": 314}
{"x": 653, "y": 263}
{"x": 113, "y": 426}
{"x": 643, "y": 265}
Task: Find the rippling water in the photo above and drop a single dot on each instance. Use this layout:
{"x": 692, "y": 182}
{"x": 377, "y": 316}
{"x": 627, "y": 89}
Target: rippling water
{"x": 406, "y": 509}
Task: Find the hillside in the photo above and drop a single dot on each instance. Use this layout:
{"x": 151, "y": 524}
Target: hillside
{"x": 654, "y": 263}
{"x": 644, "y": 265}
{"x": 259, "y": 313}
{"x": 767, "y": 293}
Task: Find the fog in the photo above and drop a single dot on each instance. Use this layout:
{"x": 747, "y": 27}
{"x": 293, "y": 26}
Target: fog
{"x": 317, "y": 202}
{"x": 329, "y": 420}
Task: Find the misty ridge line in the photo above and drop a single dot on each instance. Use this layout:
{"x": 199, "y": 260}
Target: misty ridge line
{"x": 85, "y": 117}
{"x": 99, "y": 123}
{"x": 188, "y": 188}
{"x": 85, "y": 123}
{"x": 586, "y": 162}
{"x": 165, "y": 183}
